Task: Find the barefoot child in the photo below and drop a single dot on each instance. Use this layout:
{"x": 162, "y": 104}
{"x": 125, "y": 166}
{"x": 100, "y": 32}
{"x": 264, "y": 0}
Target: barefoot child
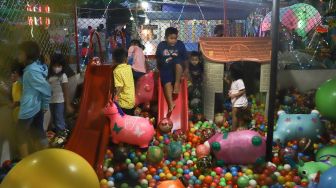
{"x": 123, "y": 81}
{"x": 171, "y": 54}
{"x": 237, "y": 95}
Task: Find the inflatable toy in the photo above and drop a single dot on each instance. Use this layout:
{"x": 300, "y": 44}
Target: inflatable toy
{"x": 325, "y": 99}
{"x": 325, "y": 159}
{"x": 128, "y": 129}
{"x": 144, "y": 89}
{"x": 296, "y": 126}
{"x": 240, "y": 147}
{"x": 154, "y": 154}
{"x": 328, "y": 179}
{"x": 202, "y": 151}
{"x": 165, "y": 125}
{"x": 174, "y": 150}
{"x": 52, "y": 168}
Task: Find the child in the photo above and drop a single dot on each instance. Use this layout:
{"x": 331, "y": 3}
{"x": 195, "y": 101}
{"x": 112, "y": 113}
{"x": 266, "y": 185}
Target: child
{"x": 85, "y": 53}
{"x": 195, "y": 68}
{"x": 137, "y": 59}
{"x": 123, "y": 81}
{"x": 59, "y": 101}
{"x": 35, "y": 98}
{"x": 238, "y": 96}
{"x": 171, "y": 54}
{"x": 16, "y": 76}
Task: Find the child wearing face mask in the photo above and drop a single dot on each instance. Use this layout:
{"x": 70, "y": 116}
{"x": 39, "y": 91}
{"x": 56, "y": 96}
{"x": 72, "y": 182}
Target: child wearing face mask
{"x": 59, "y": 101}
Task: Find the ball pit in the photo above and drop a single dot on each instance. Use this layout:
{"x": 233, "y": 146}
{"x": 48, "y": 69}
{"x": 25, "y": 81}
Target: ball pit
{"x": 195, "y": 166}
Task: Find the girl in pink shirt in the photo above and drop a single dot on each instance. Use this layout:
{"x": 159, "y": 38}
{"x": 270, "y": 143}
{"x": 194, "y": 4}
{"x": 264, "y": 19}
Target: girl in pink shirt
{"x": 137, "y": 59}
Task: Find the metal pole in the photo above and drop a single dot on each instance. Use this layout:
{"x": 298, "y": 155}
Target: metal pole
{"x": 225, "y": 19}
{"x": 273, "y": 79}
{"x": 76, "y": 39}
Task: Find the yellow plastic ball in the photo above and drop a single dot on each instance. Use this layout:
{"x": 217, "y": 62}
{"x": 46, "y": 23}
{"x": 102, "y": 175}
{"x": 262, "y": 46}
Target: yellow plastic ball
{"x": 103, "y": 182}
{"x": 162, "y": 175}
{"x": 169, "y": 176}
{"x": 228, "y": 176}
{"x": 186, "y": 154}
{"x": 52, "y": 168}
{"x": 201, "y": 177}
{"x": 315, "y": 146}
{"x": 249, "y": 172}
{"x": 281, "y": 179}
{"x": 139, "y": 165}
{"x": 149, "y": 177}
{"x": 161, "y": 138}
{"x": 192, "y": 130}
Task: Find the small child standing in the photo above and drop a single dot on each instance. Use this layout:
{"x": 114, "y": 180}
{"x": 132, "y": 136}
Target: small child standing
{"x": 171, "y": 54}
{"x": 196, "y": 68}
{"x": 123, "y": 82}
{"x": 238, "y": 97}
{"x": 35, "y": 99}
{"x": 16, "y": 76}
{"x": 137, "y": 59}
{"x": 59, "y": 101}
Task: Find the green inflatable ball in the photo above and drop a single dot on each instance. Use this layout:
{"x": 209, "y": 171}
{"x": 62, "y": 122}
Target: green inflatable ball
{"x": 325, "y": 99}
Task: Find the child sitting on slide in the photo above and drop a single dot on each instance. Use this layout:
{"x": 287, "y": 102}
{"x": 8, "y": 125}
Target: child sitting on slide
{"x": 123, "y": 82}
{"x": 171, "y": 54}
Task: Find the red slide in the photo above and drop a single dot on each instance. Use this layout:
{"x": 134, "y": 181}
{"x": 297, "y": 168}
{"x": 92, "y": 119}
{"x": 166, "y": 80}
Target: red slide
{"x": 180, "y": 114}
{"x": 90, "y": 136}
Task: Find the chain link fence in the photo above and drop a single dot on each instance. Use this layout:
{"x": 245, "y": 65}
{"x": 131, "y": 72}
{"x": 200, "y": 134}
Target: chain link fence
{"x": 48, "y": 22}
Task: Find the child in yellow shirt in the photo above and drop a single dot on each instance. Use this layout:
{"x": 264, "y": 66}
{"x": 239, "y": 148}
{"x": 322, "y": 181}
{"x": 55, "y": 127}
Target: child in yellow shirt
{"x": 16, "y": 76}
{"x": 123, "y": 81}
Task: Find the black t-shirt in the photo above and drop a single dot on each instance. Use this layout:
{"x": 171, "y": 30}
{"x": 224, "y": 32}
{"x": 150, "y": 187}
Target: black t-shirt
{"x": 196, "y": 71}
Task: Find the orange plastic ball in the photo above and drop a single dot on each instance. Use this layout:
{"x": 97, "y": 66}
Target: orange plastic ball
{"x": 208, "y": 179}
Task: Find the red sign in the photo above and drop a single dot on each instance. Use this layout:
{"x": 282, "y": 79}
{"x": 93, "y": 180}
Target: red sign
{"x": 37, "y": 21}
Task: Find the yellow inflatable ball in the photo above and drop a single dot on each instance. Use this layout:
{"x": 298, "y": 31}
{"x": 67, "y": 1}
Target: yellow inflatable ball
{"x": 52, "y": 168}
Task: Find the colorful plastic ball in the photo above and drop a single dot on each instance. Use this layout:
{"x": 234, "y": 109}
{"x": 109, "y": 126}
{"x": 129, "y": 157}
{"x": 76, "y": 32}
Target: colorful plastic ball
{"x": 208, "y": 179}
{"x": 243, "y": 181}
{"x": 287, "y": 167}
{"x": 154, "y": 154}
{"x": 228, "y": 176}
{"x": 253, "y": 183}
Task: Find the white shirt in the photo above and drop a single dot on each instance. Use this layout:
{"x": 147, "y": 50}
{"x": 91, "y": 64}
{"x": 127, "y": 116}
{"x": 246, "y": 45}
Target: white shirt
{"x": 237, "y": 86}
{"x": 56, "y": 88}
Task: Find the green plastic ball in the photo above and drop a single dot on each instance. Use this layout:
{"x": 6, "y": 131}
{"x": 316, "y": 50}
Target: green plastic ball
{"x": 325, "y": 99}
{"x": 243, "y": 181}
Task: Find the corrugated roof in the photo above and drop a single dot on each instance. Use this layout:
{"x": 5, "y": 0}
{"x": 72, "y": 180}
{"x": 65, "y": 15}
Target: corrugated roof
{"x": 232, "y": 49}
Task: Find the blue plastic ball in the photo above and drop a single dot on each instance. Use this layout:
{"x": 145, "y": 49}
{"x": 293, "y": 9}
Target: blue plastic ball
{"x": 233, "y": 169}
{"x": 186, "y": 171}
{"x": 157, "y": 178}
{"x": 119, "y": 176}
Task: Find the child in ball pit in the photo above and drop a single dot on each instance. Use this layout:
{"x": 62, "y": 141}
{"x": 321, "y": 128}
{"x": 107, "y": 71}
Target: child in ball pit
{"x": 238, "y": 97}
{"x": 123, "y": 81}
{"x": 171, "y": 54}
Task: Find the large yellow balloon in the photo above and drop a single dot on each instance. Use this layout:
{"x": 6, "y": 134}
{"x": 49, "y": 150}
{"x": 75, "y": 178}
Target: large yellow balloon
{"x": 52, "y": 168}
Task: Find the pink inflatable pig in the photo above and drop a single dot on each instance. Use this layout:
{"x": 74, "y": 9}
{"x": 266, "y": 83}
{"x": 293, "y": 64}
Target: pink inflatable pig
{"x": 128, "y": 129}
{"x": 144, "y": 89}
{"x": 240, "y": 147}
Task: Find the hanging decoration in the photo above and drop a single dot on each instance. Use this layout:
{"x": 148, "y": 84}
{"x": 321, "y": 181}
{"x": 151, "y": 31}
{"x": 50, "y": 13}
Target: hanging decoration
{"x": 301, "y": 18}
{"x": 38, "y": 21}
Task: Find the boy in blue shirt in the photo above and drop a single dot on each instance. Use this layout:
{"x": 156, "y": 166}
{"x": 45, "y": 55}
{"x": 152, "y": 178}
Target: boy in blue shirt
{"x": 171, "y": 54}
{"x": 35, "y": 99}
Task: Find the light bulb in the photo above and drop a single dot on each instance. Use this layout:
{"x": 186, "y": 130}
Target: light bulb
{"x": 145, "y": 5}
